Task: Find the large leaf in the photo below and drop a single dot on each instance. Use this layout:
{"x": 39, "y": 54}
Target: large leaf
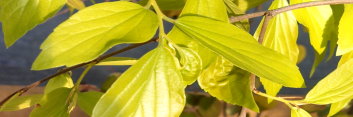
{"x": 317, "y": 20}
{"x": 337, "y": 106}
{"x": 167, "y": 4}
{"x": 298, "y": 112}
{"x": 281, "y": 35}
{"x": 345, "y": 35}
{"x": 211, "y": 8}
{"x": 152, "y": 87}
{"x": 93, "y": 30}
{"x": 53, "y": 104}
{"x": 21, "y": 102}
{"x": 87, "y": 100}
{"x": 20, "y": 16}
{"x": 61, "y": 81}
{"x": 248, "y": 4}
{"x": 226, "y": 82}
{"x": 334, "y": 87}
{"x": 241, "y": 49}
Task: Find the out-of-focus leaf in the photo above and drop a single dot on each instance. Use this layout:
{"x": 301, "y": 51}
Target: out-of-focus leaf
{"x": 54, "y": 104}
{"x": 241, "y": 49}
{"x": 191, "y": 65}
{"x": 61, "y": 81}
{"x": 76, "y": 4}
{"x": 318, "y": 59}
{"x": 345, "y": 35}
{"x": 109, "y": 81}
{"x": 20, "y": 16}
{"x": 337, "y": 12}
{"x": 167, "y": 4}
{"x": 228, "y": 83}
{"x": 21, "y": 102}
{"x": 100, "y": 26}
{"x": 318, "y": 24}
{"x": 334, "y": 87}
{"x": 152, "y": 87}
{"x": 281, "y": 35}
{"x": 114, "y": 61}
{"x": 337, "y": 106}
{"x": 245, "y": 5}
{"x": 302, "y": 53}
{"x": 298, "y": 112}
{"x": 87, "y": 100}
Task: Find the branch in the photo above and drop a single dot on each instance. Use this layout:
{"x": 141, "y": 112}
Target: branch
{"x": 289, "y": 8}
{"x": 95, "y": 61}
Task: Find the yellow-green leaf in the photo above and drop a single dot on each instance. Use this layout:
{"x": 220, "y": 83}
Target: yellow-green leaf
{"x": 191, "y": 64}
{"x": 281, "y": 35}
{"x": 226, "y": 82}
{"x": 21, "y": 102}
{"x": 211, "y": 8}
{"x": 153, "y": 87}
{"x": 334, "y": 87}
{"x": 337, "y": 106}
{"x": 241, "y": 49}
{"x": 77, "y": 4}
{"x": 345, "y": 35}
{"x": 245, "y": 5}
{"x": 345, "y": 58}
{"x": 100, "y": 26}
{"x": 298, "y": 112}
{"x": 167, "y": 4}
{"x": 87, "y": 100}
{"x": 117, "y": 61}
{"x": 20, "y": 16}
{"x": 317, "y": 20}
{"x": 61, "y": 81}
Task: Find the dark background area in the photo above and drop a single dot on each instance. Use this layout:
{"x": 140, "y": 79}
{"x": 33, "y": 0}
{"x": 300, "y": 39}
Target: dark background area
{"x": 16, "y": 61}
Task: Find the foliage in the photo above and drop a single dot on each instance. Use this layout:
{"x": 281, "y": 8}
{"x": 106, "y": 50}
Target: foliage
{"x": 205, "y": 45}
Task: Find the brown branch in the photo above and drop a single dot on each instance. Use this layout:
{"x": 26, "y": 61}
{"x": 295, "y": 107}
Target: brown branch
{"x": 289, "y": 8}
{"x": 97, "y": 60}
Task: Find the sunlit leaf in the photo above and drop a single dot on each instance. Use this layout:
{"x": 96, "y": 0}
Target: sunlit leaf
{"x": 318, "y": 24}
{"x": 77, "y": 4}
{"x": 21, "y": 102}
{"x": 228, "y": 83}
{"x": 152, "y": 87}
{"x": 211, "y": 8}
{"x": 345, "y": 58}
{"x": 109, "y": 81}
{"x": 281, "y": 35}
{"x": 241, "y": 49}
{"x": 334, "y": 87}
{"x": 20, "y": 16}
{"x": 54, "y": 104}
{"x": 298, "y": 112}
{"x": 87, "y": 100}
{"x": 101, "y": 27}
{"x": 61, "y": 81}
{"x": 167, "y": 4}
{"x": 245, "y": 5}
{"x": 191, "y": 65}
{"x": 337, "y": 106}
{"x": 345, "y": 35}
{"x": 113, "y": 61}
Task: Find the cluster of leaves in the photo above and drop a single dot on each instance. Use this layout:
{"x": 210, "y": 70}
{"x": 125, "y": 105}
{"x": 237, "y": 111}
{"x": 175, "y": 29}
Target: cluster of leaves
{"x": 203, "y": 46}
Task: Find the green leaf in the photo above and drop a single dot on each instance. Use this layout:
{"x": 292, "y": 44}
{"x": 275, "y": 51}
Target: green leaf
{"x": 241, "y": 49}
{"x": 109, "y": 81}
{"x": 317, "y": 24}
{"x": 93, "y": 30}
{"x": 20, "y": 16}
{"x": 228, "y": 83}
{"x": 87, "y": 100}
{"x": 61, "y": 81}
{"x": 152, "y": 87}
{"x": 345, "y": 35}
{"x": 114, "y": 61}
{"x": 345, "y": 58}
{"x": 278, "y": 39}
{"x": 334, "y": 87}
{"x": 245, "y": 5}
{"x": 298, "y": 112}
{"x": 21, "y": 102}
{"x": 167, "y": 4}
{"x": 76, "y": 4}
{"x": 211, "y": 8}
{"x": 53, "y": 104}
{"x": 191, "y": 64}
{"x": 318, "y": 59}
{"x": 337, "y": 106}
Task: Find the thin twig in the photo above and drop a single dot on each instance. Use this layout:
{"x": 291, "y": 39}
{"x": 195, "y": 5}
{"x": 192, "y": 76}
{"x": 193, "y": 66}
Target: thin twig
{"x": 97, "y": 60}
{"x": 289, "y": 8}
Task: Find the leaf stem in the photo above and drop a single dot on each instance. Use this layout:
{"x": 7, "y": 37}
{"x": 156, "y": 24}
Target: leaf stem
{"x": 287, "y": 102}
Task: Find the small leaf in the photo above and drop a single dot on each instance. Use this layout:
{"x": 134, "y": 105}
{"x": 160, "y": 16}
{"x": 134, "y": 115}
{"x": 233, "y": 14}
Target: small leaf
{"x": 53, "y": 104}
{"x": 228, "y": 83}
{"x": 334, "y": 87}
{"x": 109, "y": 81}
{"x": 87, "y": 100}
{"x": 281, "y": 35}
{"x": 61, "y": 81}
{"x": 337, "y": 106}
{"x": 152, "y": 87}
{"x": 298, "y": 112}
{"x": 100, "y": 26}
{"x": 116, "y": 61}
{"x": 318, "y": 59}
{"x": 21, "y": 102}
{"x": 241, "y": 49}
{"x": 20, "y": 16}
{"x": 77, "y": 4}
{"x": 203, "y": 7}
{"x": 317, "y": 24}
{"x": 345, "y": 35}
{"x": 191, "y": 65}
